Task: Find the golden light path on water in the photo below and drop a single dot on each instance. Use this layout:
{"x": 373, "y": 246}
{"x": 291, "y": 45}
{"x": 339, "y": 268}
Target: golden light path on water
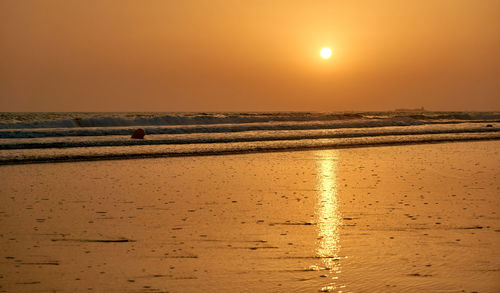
{"x": 328, "y": 216}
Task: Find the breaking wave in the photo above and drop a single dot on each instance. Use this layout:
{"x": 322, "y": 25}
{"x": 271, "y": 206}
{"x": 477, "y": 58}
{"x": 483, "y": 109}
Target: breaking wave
{"x": 75, "y": 120}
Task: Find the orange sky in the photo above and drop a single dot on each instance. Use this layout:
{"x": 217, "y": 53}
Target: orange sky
{"x": 104, "y": 55}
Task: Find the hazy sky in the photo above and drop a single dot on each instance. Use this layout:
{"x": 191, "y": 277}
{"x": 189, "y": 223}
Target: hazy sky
{"x": 145, "y": 55}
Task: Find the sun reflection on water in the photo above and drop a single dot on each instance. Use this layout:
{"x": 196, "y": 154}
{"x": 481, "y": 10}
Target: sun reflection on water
{"x": 328, "y": 216}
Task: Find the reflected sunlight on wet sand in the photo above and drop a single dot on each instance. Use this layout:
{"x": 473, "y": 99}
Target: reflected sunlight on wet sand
{"x": 420, "y": 218}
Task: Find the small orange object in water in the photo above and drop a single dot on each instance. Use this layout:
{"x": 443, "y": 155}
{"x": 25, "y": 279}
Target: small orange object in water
{"x": 138, "y": 133}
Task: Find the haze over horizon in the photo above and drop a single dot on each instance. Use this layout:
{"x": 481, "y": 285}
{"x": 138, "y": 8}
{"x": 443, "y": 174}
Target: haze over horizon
{"x": 218, "y": 55}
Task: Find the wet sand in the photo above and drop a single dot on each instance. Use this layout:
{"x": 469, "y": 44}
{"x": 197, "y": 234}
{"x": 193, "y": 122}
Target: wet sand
{"x": 420, "y": 218}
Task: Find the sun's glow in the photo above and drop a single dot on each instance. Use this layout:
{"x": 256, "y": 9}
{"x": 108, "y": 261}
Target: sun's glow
{"x": 326, "y": 53}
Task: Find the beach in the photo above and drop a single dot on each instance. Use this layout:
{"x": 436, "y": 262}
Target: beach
{"x": 410, "y": 218}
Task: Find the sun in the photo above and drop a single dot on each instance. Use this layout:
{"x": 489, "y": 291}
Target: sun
{"x": 326, "y": 53}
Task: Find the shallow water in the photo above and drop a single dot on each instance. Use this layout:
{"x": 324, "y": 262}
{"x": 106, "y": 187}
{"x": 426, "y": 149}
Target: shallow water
{"x": 417, "y": 218}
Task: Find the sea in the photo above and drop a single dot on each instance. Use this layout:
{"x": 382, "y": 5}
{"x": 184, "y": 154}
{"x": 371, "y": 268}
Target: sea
{"x": 73, "y": 136}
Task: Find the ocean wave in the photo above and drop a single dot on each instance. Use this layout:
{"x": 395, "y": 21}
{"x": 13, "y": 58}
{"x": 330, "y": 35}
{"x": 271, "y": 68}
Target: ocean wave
{"x": 84, "y": 120}
{"x": 233, "y": 137}
{"x": 216, "y": 128}
{"x": 133, "y": 152}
